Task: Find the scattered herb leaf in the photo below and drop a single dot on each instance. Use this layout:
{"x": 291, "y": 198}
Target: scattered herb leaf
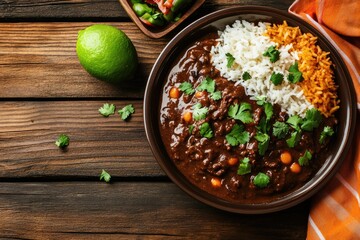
{"x": 280, "y": 129}
{"x": 269, "y": 111}
{"x": 216, "y": 95}
{"x": 261, "y": 180}
{"x": 241, "y": 112}
{"x": 199, "y": 112}
{"x": 191, "y": 128}
{"x": 208, "y": 84}
{"x": 263, "y": 140}
{"x": 276, "y": 78}
{"x": 230, "y": 60}
{"x": 273, "y": 53}
{"x": 260, "y": 100}
{"x": 295, "y": 75}
{"x": 304, "y": 160}
{"x": 62, "y": 141}
{"x": 294, "y": 122}
{"x": 312, "y": 120}
{"x": 326, "y": 132}
{"x": 246, "y": 76}
{"x": 237, "y": 135}
{"x": 294, "y": 139}
{"x": 126, "y": 111}
{"x": 244, "y": 167}
{"x": 187, "y": 88}
{"x": 206, "y": 131}
{"x": 107, "y": 109}
{"x": 105, "y": 176}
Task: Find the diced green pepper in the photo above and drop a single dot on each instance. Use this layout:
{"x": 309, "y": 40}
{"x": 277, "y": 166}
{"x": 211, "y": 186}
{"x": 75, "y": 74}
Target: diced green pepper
{"x": 154, "y": 20}
{"x": 180, "y": 4}
{"x": 141, "y": 8}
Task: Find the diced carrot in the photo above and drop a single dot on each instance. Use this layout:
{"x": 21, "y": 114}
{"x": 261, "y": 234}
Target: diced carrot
{"x": 199, "y": 94}
{"x": 215, "y": 182}
{"x": 174, "y": 92}
{"x": 233, "y": 160}
{"x": 295, "y": 167}
{"x": 285, "y": 157}
{"x": 187, "y": 117}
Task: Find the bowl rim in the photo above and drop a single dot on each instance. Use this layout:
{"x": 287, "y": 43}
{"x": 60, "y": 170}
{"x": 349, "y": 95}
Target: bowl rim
{"x": 297, "y": 196}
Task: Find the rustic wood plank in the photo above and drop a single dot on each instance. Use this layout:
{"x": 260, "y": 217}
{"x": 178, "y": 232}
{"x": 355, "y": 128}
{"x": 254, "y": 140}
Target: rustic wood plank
{"x": 28, "y": 131}
{"x": 38, "y": 60}
{"x": 96, "y": 9}
{"x": 127, "y": 210}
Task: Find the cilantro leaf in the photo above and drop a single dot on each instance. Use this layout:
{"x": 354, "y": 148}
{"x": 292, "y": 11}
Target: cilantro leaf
{"x": 187, "y": 88}
{"x": 260, "y": 100}
{"x": 263, "y": 142}
{"x": 237, "y": 135}
{"x": 294, "y": 74}
{"x": 280, "y": 129}
{"x": 246, "y": 76}
{"x": 326, "y": 132}
{"x": 244, "y": 167}
{"x": 105, "y": 176}
{"x": 269, "y": 111}
{"x": 107, "y": 109}
{"x": 208, "y": 84}
{"x": 216, "y": 95}
{"x": 126, "y": 111}
{"x": 206, "y": 131}
{"x": 62, "y": 141}
{"x": 294, "y": 122}
{"x": 312, "y": 120}
{"x": 263, "y": 125}
{"x": 191, "y": 128}
{"x": 276, "y": 78}
{"x": 273, "y": 53}
{"x": 304, "y": 160}
{"x": 294, "y": 139}
{"x": 261, "y": 180}
{"x": 241, "y": 112}
{"x": 230, "y": 60}
{"x": 199, "y": 112}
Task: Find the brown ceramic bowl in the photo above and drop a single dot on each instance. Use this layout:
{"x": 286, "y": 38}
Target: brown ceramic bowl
{"x": 217, "y": 21}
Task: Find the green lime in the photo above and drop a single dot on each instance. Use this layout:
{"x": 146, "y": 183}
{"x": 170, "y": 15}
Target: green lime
{"x": 107, "y": 53}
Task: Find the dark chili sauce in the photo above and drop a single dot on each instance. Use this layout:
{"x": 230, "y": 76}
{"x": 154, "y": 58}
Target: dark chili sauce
{"x": 203, "y": 159}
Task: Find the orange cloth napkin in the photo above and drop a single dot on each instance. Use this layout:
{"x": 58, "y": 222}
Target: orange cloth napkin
{"x": 335, "y": 211}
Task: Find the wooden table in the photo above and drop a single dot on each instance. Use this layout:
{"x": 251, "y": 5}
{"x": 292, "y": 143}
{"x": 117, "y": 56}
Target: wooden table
{"x": 47, "y": 193}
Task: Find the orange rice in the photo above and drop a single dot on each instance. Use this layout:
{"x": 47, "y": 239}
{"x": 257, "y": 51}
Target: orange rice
{"x": 318, "y": 84}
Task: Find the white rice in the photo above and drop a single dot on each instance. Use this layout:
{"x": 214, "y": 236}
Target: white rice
{"x": 246, "y": 43}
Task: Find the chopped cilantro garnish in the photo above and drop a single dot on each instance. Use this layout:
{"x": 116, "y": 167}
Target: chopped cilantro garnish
{"x": 216, "y": 95}
{"x": 260, "y": 100}
{"x": 62, "y": 141}
{"x": 206, "y": 131}
{"x": 241, "y": 112}
{"x": 326, "y": 132}
{"x": 263, "y": 125}
{"x": 187, "y": 88}
{"x": 261, "y": 180}
{"x": 246, "y": 76}
{"x": 263, "y": 142}
{"x": 244, "y": 167}
{"x": 199, "y": 112}
{"x": 304, "y": 160}
{"x": 294, "y": 122}
{"x": 107, "y": 109}
{"x": 208, "y": 84}
{"x": 269, "y": 111}
{"x": 105, "y": 176}
{"x": 230, "y": 60}
{"x": 237, "y": 135}
{"x": 312, "y": 120}
{"x": 294, "y": 74}
{"x": 273, "y": 53}
{"x": 126, "y": 111}
{"x": 280, "y": 129}
{"x": 294, "y": 139}
{"x": 191, "y": 128}
{"x": 276, "y": 78}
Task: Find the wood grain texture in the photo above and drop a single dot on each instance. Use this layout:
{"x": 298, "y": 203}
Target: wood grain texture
{"x": 87, "y": 210}
{"x": 28, "y": 131}
{"x": 38, "y": 60}
{"x": 65, "y": 10}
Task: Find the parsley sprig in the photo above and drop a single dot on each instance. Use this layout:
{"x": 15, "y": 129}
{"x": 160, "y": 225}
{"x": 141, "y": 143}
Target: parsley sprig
{"x": 295, "y": 75}
{"x": 199, "y": 112}
{"x": 105, "y": 176}
{"x": 326, "y": 132}
{"x": 230, "y": 60}
{"x": 280, "y": 129}
{"x": 263, "y": 142}
{"x": 276, "y": 78}
{"x": 237, "y": 135}
{"x": 209, "y": 85}
{"x": 241, "y": 112}
{"x": 272, "y": 53}
{"x": 206, "y": 131}
{"x": 126, "y": 111}
{"x": 107, "y": 109}
{"x": 244, "y": 167}
{"x": 304, "y": 159}
{"x": 187, "y": 88}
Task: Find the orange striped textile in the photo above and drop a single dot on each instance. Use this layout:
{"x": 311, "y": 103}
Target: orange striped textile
{"x": 335, "y": 211}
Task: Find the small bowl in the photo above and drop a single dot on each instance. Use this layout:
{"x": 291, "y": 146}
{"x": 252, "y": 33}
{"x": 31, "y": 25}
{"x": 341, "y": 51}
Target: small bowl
{"x": 158, "y": 32}
{"x": 217, "y": 21}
